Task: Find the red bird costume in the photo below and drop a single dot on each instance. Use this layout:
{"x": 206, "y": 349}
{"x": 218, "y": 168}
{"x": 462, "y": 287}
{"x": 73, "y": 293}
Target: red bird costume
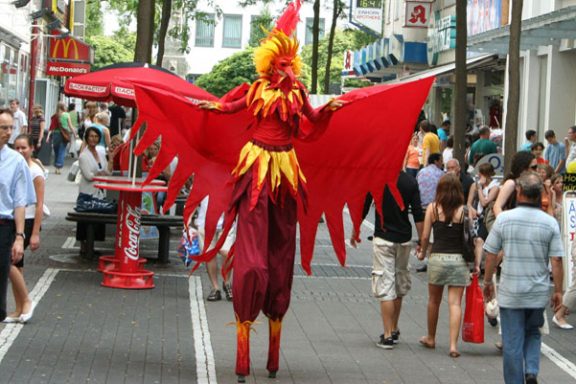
{"x": 255, "y": 174}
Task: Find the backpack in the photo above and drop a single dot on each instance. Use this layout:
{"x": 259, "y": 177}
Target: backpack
{"x": 467, "y": 237}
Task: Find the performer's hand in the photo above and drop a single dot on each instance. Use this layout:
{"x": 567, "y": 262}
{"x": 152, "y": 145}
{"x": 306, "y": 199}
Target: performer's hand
{"x": 335, "y": 104}
{"x": 205, "y": 104}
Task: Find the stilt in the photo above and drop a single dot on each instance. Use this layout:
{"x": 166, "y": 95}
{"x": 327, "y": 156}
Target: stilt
{"x": 275, "y": 328}
{"x": 242, "y": 349}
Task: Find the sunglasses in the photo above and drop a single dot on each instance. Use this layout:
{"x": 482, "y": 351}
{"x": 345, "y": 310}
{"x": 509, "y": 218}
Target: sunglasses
{"x": 534, "y": 167}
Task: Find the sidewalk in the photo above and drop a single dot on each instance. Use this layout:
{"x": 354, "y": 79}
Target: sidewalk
{"x": 84, "y": 333}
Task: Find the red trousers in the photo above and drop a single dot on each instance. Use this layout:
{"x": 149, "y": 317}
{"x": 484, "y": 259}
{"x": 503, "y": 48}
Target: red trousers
{"x": 264, "y": 252}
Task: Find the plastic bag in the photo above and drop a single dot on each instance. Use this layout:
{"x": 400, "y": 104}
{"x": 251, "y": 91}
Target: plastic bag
{"x": 473, "y": 325}
{"x": 89, "y": 203}
{"x": 74, "y": 168}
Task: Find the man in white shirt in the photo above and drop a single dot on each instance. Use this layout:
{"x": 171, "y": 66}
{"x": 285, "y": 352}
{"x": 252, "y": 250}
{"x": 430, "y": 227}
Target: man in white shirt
{"x": 20, "y": 121}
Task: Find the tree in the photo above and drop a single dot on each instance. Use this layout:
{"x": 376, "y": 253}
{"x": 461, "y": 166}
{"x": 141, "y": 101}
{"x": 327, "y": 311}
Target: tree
{"x": 338, "y": 7}
{"x": 108, "y": 51}
{"x": 460, "y": 89}
{"x": 343, "y": 40}
{"x": 259, "y": 27}
{"x": 513, "y": 104}
{"x": 315, "y": 38}
{"x": 144, "y": 31}
{"x": 94, "y": 18}
{"x": 229, "y": 73}
{"x": 164, "y": 22}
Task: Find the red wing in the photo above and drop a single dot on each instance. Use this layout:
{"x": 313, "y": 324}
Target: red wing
{"x": 361, "y": 150}
{"x": 206, "y": 143}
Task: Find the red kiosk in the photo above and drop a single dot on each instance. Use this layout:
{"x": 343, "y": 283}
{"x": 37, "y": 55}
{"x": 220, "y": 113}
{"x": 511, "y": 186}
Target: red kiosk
{"x": 125, "y": 269}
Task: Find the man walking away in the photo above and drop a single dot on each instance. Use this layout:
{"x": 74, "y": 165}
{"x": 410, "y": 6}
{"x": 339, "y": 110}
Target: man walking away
{"x": 391, "y": 251}
{"x": 16, "y": 192}
{"x": 530, "y": 239}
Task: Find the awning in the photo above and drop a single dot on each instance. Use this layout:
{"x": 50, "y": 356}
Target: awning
{"x": 547, "y": 29}
{"x": 471, "y": 63}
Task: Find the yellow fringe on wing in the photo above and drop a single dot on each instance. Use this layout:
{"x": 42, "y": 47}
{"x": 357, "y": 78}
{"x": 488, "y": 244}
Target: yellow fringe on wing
{"x": 277, "y": 164}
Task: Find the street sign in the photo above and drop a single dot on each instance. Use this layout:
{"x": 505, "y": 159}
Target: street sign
{"x": 368, "y": 13}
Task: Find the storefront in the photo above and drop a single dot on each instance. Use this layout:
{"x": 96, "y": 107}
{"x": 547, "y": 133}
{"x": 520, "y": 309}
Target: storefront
{"x": 13, "y": 69}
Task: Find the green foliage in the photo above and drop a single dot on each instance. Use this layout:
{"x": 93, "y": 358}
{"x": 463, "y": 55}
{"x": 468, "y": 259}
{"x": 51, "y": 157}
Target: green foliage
{"x": 259, "y": 25}
{"x": 343, "y": 40}
{"x": 229, "y": 73}
{"x": 108, "y": 51}
{"x": 94, "y": 18}
{"x": 126, "y": 38}
{"x": 357, "y": 82}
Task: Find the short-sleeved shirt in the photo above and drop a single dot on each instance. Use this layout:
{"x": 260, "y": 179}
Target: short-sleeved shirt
{"x": 19, "y": 122}
{"x": 35, "y": 171}
{"x": 428, "y": 179}
{"x": 412, "y": 157}
{"x": 442, "y": 135}
{"x": 35, "y": 123}
{"x": 481, "y": 147}
{"x": 555, "y": 153}
{"x": 16, "y": 187}
{"x": 430, "y": 145}
{"x": 529, "y": 237}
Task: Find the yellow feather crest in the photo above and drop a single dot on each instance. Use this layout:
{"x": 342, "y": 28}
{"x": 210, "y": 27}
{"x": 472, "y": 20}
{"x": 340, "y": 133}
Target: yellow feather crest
{"x": 277, "y": 45}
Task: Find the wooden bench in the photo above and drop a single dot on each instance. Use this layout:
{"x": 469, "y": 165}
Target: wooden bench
{"x": 163, "y": 223}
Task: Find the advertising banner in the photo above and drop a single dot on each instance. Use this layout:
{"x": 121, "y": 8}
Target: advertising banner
{"x": 368, "y": 13}
{"x": 417, "y": 14}
{"x": 568, "y": 231}
{"x": 59, "y": 68}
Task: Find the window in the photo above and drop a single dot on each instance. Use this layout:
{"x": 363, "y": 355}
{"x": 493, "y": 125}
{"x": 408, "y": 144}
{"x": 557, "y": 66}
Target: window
{"x": 232, "y": 34}
{"x": 309, "y": 24}
{"x": 205, "y": 31}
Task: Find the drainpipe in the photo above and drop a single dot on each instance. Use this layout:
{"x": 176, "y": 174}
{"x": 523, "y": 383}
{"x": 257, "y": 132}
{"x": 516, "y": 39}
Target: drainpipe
{"x": 33, "y": 61}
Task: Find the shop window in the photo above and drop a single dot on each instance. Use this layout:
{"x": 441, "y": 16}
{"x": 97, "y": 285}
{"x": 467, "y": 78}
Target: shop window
{"x": 309, "y": 24}
{"x": 232, "y": 33}
{"x": 205, "y": 31}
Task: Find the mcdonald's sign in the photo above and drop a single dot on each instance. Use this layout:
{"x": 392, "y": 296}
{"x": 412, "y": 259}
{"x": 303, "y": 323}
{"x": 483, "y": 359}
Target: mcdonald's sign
{"x": 69, "y": 49}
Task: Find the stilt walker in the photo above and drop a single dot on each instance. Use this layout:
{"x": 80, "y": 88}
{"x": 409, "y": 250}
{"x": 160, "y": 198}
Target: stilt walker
{"x": 345, "y": 149}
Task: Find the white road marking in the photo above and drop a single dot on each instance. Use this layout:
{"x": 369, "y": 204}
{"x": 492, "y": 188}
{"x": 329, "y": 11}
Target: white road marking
{"x": 11, "y": 331}
{"x": 205, "y": 365}
{"x": 564, "y": 364}
{"x": 69, "y": 243}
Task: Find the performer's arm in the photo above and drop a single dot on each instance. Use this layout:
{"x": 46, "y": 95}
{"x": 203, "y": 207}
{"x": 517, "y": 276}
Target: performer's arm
{"x": 229, "y": 107}
{"x": 316, "y": 114}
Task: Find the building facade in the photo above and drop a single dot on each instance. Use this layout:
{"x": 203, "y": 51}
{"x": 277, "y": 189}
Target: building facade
{"x": 225, "y": 34}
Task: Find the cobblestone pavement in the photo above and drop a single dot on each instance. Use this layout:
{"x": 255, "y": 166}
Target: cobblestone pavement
{"x": 84, "y": 333}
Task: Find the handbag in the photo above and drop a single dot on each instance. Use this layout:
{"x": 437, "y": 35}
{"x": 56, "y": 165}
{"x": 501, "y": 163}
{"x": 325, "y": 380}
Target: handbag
{"x": 489, "y": 216}
{"x": 89, "y": 203}
{"x": 65, "y": 134}
{"x": 467, "y": 237}
{"x": 473, "y": 325}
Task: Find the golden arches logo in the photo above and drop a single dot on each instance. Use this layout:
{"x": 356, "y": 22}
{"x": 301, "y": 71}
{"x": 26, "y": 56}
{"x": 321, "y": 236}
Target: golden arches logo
{"x": 65, "y": 48}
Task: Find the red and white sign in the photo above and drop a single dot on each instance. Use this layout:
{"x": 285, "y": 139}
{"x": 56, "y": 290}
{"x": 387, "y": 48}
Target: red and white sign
{"x": 62, "y": 68}
{"x": 69, "y": 48}
{"x": 417, "y": 14}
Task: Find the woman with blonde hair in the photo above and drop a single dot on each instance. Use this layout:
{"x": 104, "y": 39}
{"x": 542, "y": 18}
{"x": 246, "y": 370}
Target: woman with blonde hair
{"x": 59, "y": 123}
{"x": 446, "y": 266}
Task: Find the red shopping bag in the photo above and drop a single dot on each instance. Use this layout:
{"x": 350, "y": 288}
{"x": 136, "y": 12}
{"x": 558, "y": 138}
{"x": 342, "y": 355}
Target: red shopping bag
{"x": 473, "y": 326}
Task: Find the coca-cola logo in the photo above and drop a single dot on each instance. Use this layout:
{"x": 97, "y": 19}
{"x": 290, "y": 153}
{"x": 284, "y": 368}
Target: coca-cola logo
{"x": 132, "y": 224}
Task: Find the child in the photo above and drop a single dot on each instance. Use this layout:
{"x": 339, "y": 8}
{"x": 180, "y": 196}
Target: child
{"x": 538, "y": 152}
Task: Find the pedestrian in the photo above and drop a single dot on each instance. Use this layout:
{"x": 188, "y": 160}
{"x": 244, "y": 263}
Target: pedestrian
{"x": 20, "y": 121}
{"x": 33, "y": 220}
{"x": 430, "y": 141}
{"x": 92, "y": 162}
{"x": 530, "y": 240}
{"x": 60, "y": 122}
{"x": 568, "y": 301}
{"x": 391, "y": 251}
{"x": 37, "y": 127}
{"x": 443, "y": 133}
{"x": 453, "y": 166}
{"x": 117, "y": 118}
{"x": 428, "y": 179}
{"x": 481, "y": 147}
{"x": 448, "y": 152}
{"x": 446, "y": 265}
{"x": 90, "y": 111}
{"x": 212, "y": 265}
{"x": 16, "y": 192}
{"x": 538, "y": 152}
{"x": 555, "y": 152}
{"x": 521, "y": 161}
{"x": 530, "y": 140}
{"x": 413, "y": 157}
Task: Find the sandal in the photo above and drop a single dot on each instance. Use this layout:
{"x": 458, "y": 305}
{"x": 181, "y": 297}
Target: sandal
{"x": 454, "y": 354}
{"x": 426, "y": 343}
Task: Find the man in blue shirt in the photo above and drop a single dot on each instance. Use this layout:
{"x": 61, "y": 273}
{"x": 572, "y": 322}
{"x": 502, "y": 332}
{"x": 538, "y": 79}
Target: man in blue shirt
{"x": 531, "y": 140}
{"x": 530, "y": 239}
{"x": 555, "y": 152}
{"x": 16, "y": 192}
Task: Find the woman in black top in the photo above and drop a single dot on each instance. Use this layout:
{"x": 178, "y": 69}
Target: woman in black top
{"x": 446, "y": 265}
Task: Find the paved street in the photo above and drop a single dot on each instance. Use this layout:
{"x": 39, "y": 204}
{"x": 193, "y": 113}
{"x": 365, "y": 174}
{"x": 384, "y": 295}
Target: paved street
{"x": 84, "y": 333}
